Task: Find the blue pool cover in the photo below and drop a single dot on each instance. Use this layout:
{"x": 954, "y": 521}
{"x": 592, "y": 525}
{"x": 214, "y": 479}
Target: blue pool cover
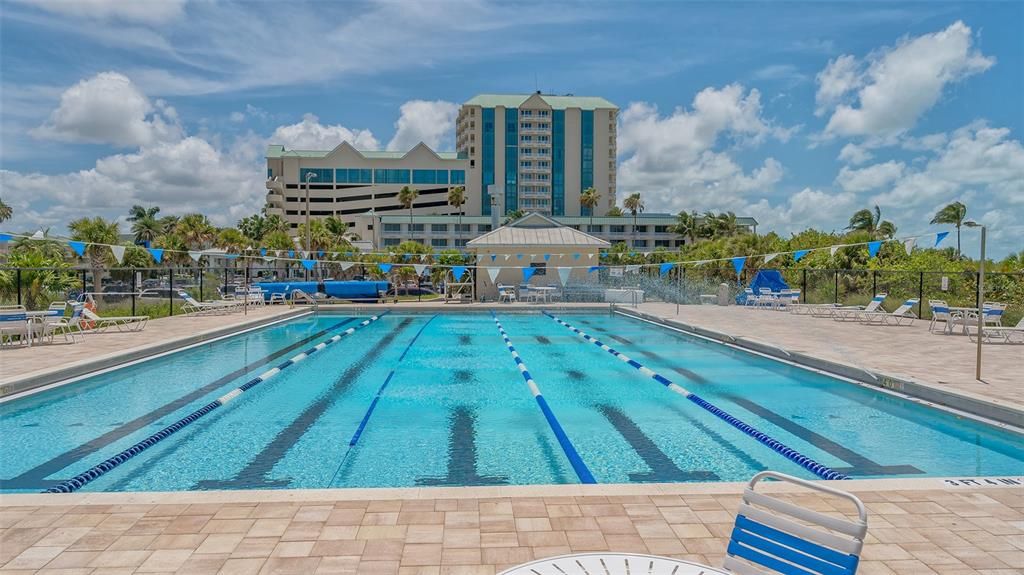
{"x": 335, "y": 289}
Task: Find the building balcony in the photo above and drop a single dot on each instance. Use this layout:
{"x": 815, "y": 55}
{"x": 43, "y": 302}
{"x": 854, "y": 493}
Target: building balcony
{"x": 275, "y": 211}
{"x": 276, "y": 199}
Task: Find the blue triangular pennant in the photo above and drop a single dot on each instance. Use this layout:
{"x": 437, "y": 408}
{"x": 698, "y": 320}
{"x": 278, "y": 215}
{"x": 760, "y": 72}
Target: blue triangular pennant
{"x": 5, "y": 238}
{"x": 547, "y": 257}
{"x": 320, "y": 253}
{"x": 939, "y": 237}
{"x": 263, "y": 252}
{"x": 79, "y": 247}
{"x": 384, "y": 267}
{"x": 291, "y": 253}
{"x": 494, "y": 257}
{"x": 519, "y": 256}
{"x": 575, "y": 256}
{"x": 528, "y": 273}
{"x": 157, "y": 253}
{"x": 593, "y": 269}
{"x": 873, "y": 248}
{"x": 308, "y": 264}
{"x": 458, "y": 272}
{"x": 738, "y": 263}
{"x": 799, "y": 254}
{"x": 664, "y": 268}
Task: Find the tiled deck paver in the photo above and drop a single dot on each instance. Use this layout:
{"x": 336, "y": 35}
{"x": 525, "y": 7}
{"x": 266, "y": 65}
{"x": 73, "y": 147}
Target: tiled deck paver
{"x": 916, "y": 527}
{"x": 943, "y": 361}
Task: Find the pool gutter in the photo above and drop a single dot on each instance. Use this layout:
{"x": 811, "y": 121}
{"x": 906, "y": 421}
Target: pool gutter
{"x": 35, "y": 382}
{"x": 1005, "y": 417}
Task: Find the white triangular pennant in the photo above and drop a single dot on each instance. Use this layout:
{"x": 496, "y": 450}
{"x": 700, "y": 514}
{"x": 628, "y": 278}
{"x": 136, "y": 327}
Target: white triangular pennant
{"x": 770, "y": 257}
{"x": 118, "y": 252}
{"x": 493, "y": 273}
{"x": 419, "y": 268}
{"x": 832, "y": 251}
{"x": 346, "y": 265}
{"x": 631, "y": 269}
{"x": 195, "y": 255}
{"x": 563, "y": 275}
{"x": 590, "y": 256}
{"x": 909, "y": 245}
{"x": 507, "y": 256}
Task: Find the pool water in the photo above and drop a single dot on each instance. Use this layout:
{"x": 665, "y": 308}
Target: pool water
{"x": 452, "y": 409}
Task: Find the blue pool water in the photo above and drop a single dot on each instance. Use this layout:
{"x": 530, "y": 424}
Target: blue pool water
{"x": 456, "y": 411}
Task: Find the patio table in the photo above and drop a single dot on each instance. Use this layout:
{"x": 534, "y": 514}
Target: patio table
{"x": 612, "y": 564}
{"x": 960, "y": 313}
{"x": 545, "y": 291}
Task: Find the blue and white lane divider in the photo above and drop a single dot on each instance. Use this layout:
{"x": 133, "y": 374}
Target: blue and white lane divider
{"x": 80, "y": 480}
{"x": 581, "y": 469}
{"x": 789, "y": 453}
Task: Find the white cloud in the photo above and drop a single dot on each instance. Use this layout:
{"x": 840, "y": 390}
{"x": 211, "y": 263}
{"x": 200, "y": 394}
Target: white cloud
{"x": 672, "y": 159}
{"x": 423, "y": 121}
{"x": 854, "y": 154}
{"x": 142, "y": 11}
{"x": 895, "y": 86}
{"x": 869, "y": 178}
{"x": 820, "y": 209}
{"x": 310, "y": 134}
{"x": 109, "y": 109}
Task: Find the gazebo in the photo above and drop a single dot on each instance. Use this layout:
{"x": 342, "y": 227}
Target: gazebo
{"x": 533, "y": 241}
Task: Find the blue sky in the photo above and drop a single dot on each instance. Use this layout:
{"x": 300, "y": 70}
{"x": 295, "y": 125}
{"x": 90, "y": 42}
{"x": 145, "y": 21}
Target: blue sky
{"x": 796, "y": 113}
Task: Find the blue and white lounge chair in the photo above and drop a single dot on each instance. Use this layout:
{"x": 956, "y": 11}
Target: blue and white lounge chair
{"x": 903, "y": 315}
{"x": 1013, "y": 334}
{"x": 854, "y": 312}
{"x": 194, "y": 307}
{"x": 68, "y": 325}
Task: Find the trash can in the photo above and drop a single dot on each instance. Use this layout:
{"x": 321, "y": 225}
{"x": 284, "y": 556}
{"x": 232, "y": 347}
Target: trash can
{"x": 723, "y": 294}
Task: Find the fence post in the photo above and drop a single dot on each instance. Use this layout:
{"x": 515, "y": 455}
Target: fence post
{"x": 134, "y": 289}
{"x": 170, "y": 292}
{"x": 83, "y": 284}
{"x": 17, "y": 274}
{"x": 224, "y": 293}
{"x": 836, "y": 295}
{"x": 199, "y": 268}
{"x": 874, "y": 282}
{"x": 920, "y": 292}
{"x": 803, "y": 289}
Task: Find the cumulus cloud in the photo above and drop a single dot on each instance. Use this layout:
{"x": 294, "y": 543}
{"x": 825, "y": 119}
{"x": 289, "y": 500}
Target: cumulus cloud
{"x": 895, "y": 86}
{"x": 141, "y": 11}
{"x": 673, "y": 158}
{"x": 109, "y": 109}
{"x": 870, "y": 178}
{"x": 424, "y": 121}
{"x": 854, "y": 154}
{"x": 310, "y": 134}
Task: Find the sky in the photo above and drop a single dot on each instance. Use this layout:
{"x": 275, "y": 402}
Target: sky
{"x": 795, "y": 113}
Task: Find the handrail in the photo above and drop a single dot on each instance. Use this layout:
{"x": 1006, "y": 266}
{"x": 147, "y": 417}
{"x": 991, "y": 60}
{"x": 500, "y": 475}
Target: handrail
{"x": 303, "y": 295}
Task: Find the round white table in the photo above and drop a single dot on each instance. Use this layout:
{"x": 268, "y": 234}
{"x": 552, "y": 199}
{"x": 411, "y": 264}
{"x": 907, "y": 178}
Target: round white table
{"x": 613, "y": 564}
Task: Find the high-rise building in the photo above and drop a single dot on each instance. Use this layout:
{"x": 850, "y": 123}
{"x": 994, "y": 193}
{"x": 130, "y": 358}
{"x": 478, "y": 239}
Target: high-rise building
{"x": 538, "y": 152}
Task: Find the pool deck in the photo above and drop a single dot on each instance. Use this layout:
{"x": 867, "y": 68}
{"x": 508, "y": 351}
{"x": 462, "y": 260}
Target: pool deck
{"x": 942, "y": 362}
{"x": 915, "y": 527}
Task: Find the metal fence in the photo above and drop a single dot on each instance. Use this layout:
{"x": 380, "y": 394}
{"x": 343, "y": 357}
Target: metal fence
{"x": 153, "y": 291}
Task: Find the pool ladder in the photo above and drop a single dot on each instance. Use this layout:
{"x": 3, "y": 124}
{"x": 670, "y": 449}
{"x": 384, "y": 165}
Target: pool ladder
{"x": 299, "y": 294}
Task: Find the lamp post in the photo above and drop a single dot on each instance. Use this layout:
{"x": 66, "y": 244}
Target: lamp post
{"x": 309, "y": 176}
{"x": 981, "y": 297}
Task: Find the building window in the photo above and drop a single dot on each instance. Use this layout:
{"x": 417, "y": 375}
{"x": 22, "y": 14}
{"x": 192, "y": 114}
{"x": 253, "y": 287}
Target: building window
{"x": 353, "y": 176}
{"x": 394, "y": 228}
{"x": 439, "y": 242}
{"x": 662, "y": 243}
{"x": 424, "y": 177}
{"x": 436, "y": 228}
{"x": 458, "y": 177}
{"x": 639, "y": 243}
{"x": 558, "y": 163}
{"x": 661, "y": 229}
{"x": 483, "y": 228}
{"x": 441, "y": 176}
{"x": 617, "y": 229}
{"x": 487, "y": 173}
{"x": 594, "y": 229}
{"x": 320, "y": 175}
{"x": 388, "y": 242}
{"x": 641, "y": 229}
{"x": 270, "y": 173}
{"x": 391, "y": 176}
{"x": 415, "y": 227}
{"x": 511, "y": 159}
{"x": 460, "y": 242}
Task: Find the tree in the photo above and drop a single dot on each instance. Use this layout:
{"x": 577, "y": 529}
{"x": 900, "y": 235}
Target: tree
{"x": 231, "y": 240}
{"x": 513, "y": 215}
{"x": 687, "y": 225}
{"x": 589, "y": 199}
{"x": 337, "y": 229}
{"x": 872, "y": 223}
{"x": 195, "y": 231}
{"x": 614, "y": 212}
{"x": 43, "y": 272}
{"x": 956, "y": 214}
{"x": 726, "y": 225}
{"x": 456, "y": 199}
{"x": 95, "y": 231}
{"x": 5, "y": 212}
{"x": 145, "y": 225}
{"x": 406, "y": 196}
{"x": 138, "y": 212}
{"x": 253, "y": 227}
{"x": 635, "y": 206}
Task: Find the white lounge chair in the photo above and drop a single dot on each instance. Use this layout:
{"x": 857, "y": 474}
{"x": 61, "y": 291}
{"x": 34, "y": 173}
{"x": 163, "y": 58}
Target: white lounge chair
{"x": 1013, "y": 334}
{"x": 506, "y": 293}
{"x": 122, "y": 323}
{"x": 14, "y": 326}
{"x": 70, "y": 326}
{"x": 855, "y": 312}
{"x": 903, "y": 315}
{"x": 194, "y": 307}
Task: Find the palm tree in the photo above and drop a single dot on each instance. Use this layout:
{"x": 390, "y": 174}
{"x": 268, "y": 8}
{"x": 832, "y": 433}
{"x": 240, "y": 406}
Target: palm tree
{"x": 589, "y": 199}
{"x": 614, "y": 212}
{"x": 872, "y": 223}
{"x": 337, "y": 229}
{"x": 231, "y": 240}
{"x": 138, "y": 213}
{"x": 635, "y": 206}
{"x": 5, "y": 212}
{"x": 513, "y": 215}
{"x": 95, "y": 231}
{"x": 687, "y": 225}
{"x": 195, "y": 230}
{"x": 726, "y": 225}
{"x": 145, "y": 225}
{"x": 955, "y": 214}
{"x": 406, "y": 196}
{"x": 456, "y": 199}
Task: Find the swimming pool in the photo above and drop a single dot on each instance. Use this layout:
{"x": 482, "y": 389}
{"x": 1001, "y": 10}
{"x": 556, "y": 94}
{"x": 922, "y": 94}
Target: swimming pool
{"x": 438, "y": 400}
